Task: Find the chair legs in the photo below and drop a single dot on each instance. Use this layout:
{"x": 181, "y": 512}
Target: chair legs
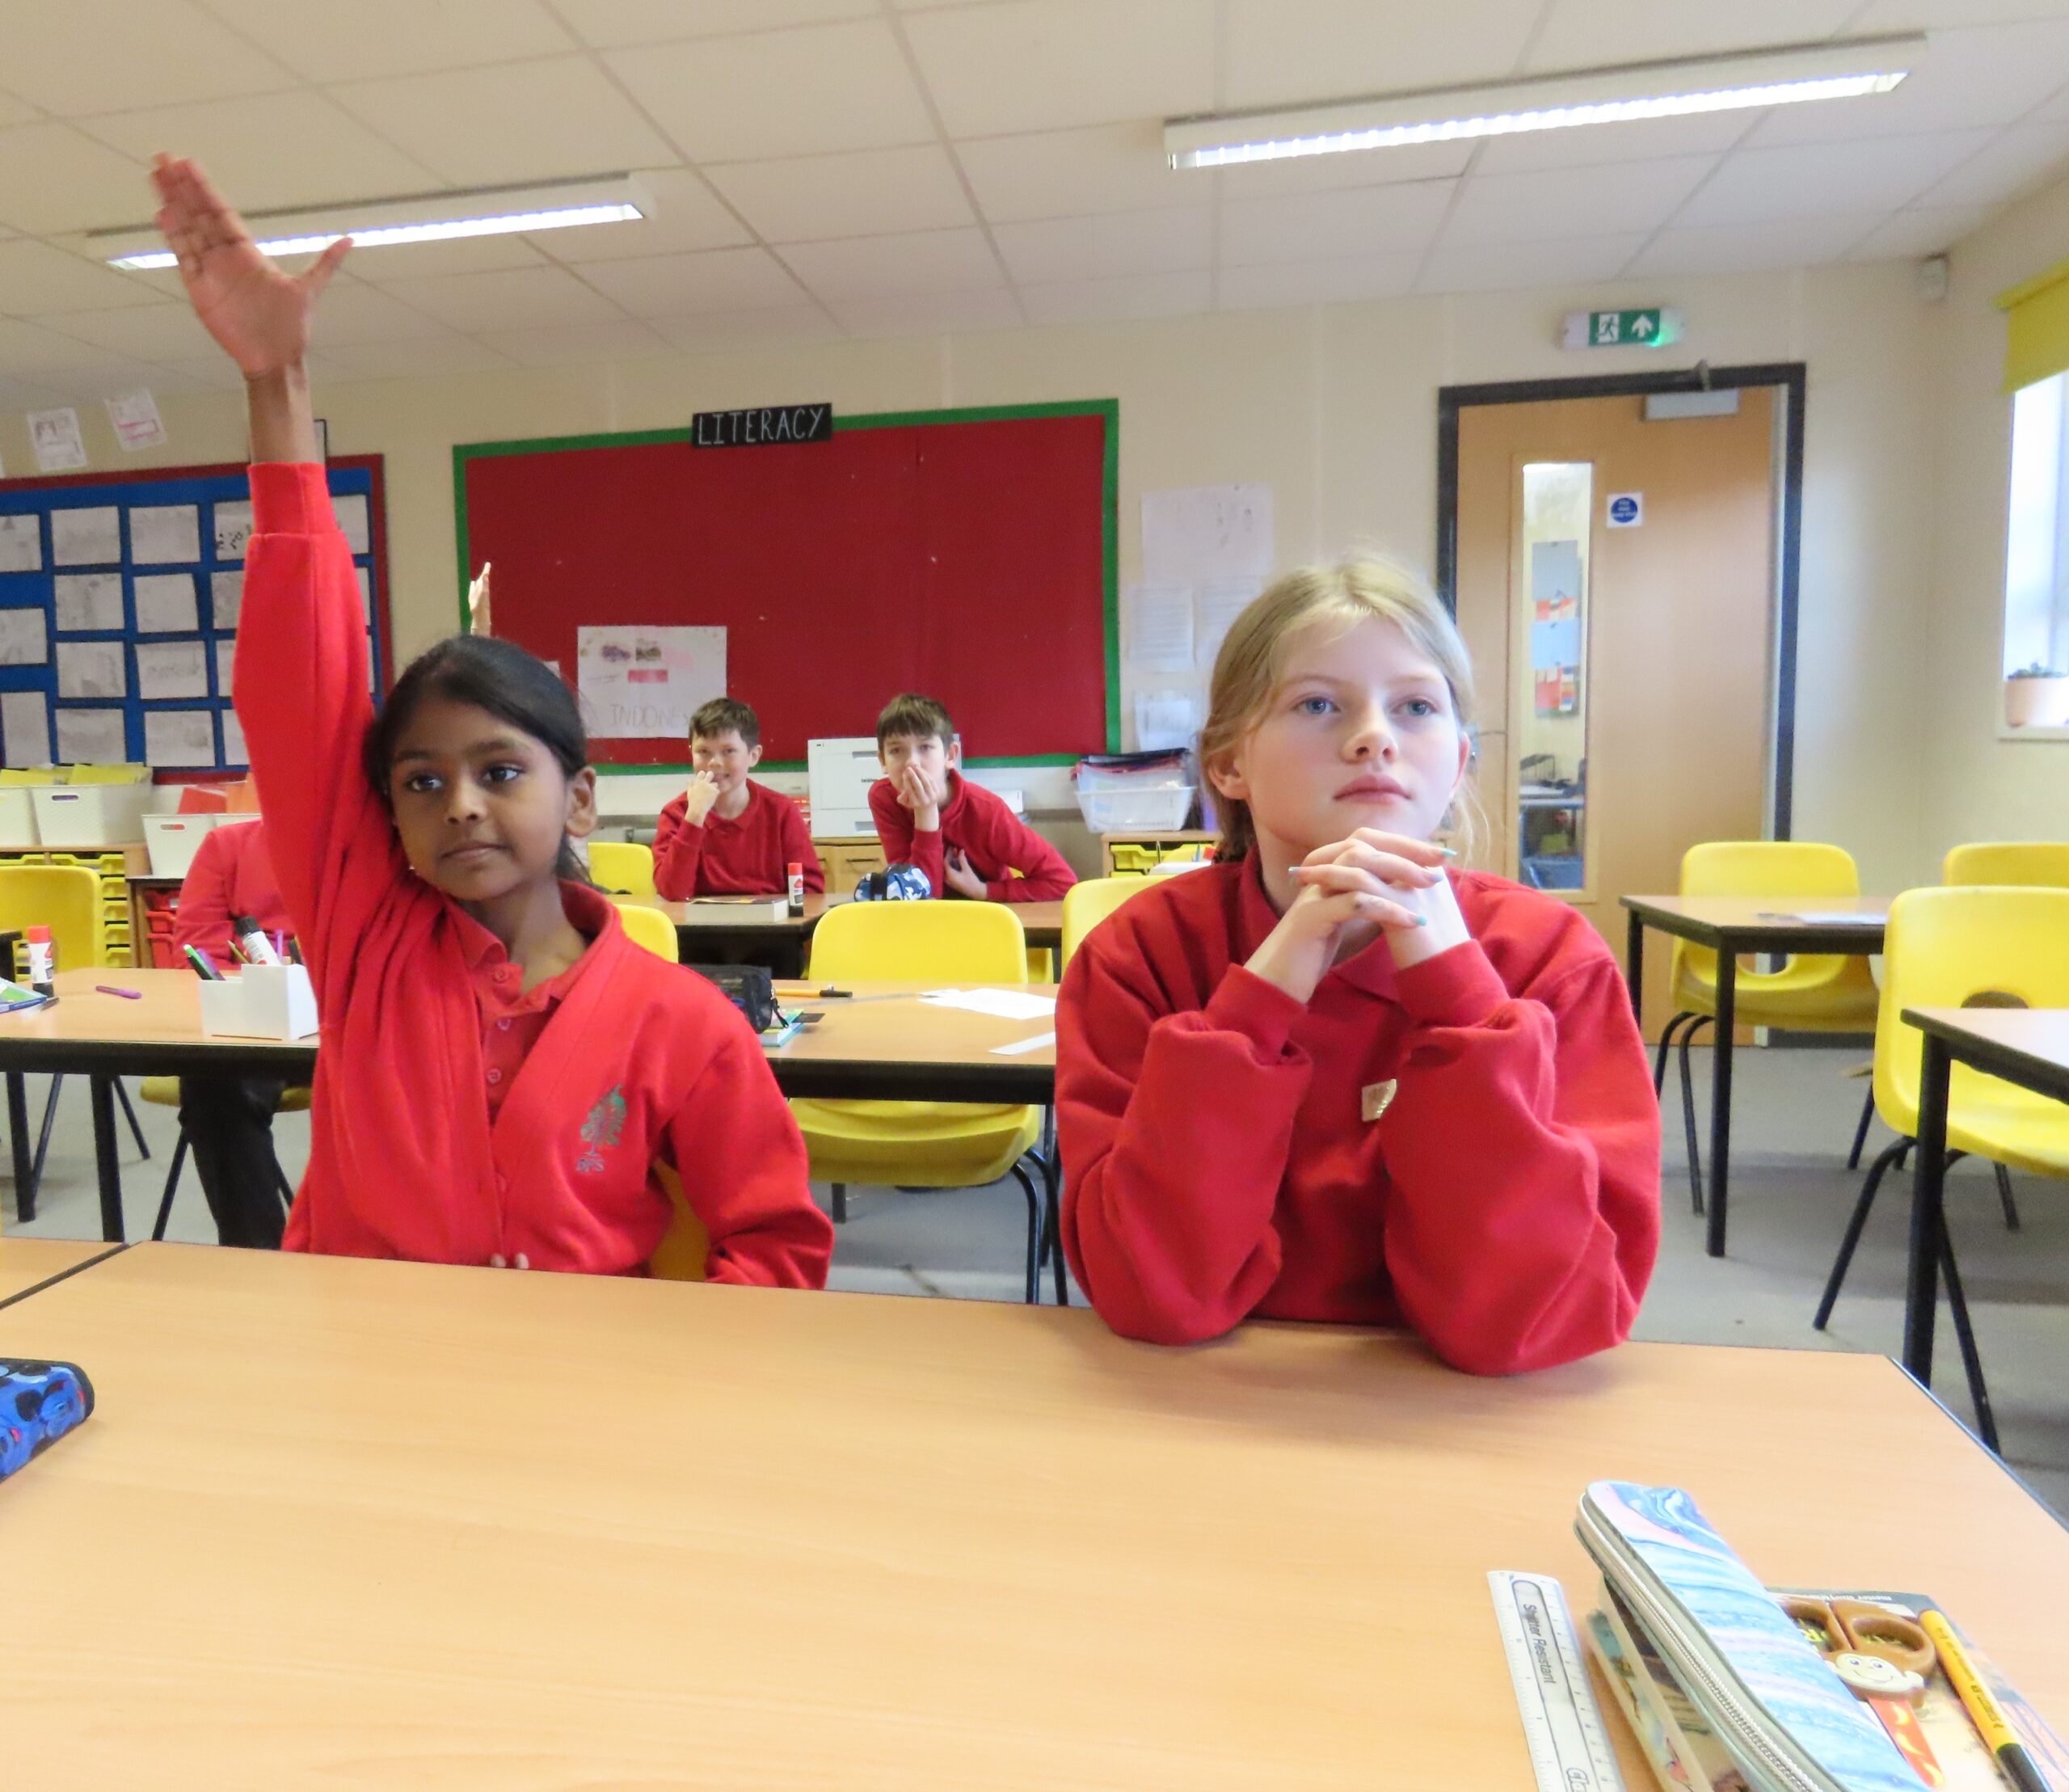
{"x": 1688, "y": 1111}
{"x": 1860, "y": 1132}
{"x": 1985, "y": 1421}
{"x": 1037, "y": 1209}
{"x": 2004, "y": 1198}
{"x": 840, "y": 1203}
{"x": 129, "y": 1114}
{"x": 1891, "y": 1159}
{"x": 171, "y": 1188}
{"x": 1665, "y": 1044}
{"x": 50, "y": 1118}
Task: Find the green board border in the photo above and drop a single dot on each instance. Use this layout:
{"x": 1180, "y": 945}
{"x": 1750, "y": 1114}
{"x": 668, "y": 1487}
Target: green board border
{"x": 1110, "y": 507}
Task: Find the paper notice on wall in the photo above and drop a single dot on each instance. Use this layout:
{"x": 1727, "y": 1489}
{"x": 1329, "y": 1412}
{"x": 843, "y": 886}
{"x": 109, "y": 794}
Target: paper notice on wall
{"x": 232, "y": 525}
{"x": 179, "y": 737}
{"x": 89, "y": 536}
{"x": 172, "y": 668}
{"x": 1160, "y": 632}
{"x": 1165, "y": 719}
{"x": 225, "y": 653}
{"x": 21, "y": 544}
{"x": 92, "y": 737}
{"x": 1205, "y": 532}
{"x": 353, "y": 519}
{"x": 89, "y": 603}
{"x": 1220, "y": 602}
{"x": 135, "y": 416}
{"x": 55, "y": 437}
{"x": 166, "y": 604}
{"x": 24, "y": 637}
{"x": 225, "y": 599}
{"x": 644, "y": 683}
{"x": 25, "y": 727}
{"x": 234, "y": 751}
{"x": 91, "y": 670}
{"x": 165, "y": 535}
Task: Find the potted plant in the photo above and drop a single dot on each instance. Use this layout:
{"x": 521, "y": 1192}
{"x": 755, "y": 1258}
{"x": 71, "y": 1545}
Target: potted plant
{"x": 2037, "y": 696}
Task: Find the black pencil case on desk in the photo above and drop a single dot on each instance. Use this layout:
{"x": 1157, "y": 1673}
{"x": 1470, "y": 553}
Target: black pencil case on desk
{"x": 749, "y": 988}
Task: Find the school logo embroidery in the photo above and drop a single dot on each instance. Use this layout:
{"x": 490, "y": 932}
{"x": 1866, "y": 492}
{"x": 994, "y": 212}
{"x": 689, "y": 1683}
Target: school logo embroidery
{"x": 1375, "y": 1099}
{"x": 601, "y": 1131}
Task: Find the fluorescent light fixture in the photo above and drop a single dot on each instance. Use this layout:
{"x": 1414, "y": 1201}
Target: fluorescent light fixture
{"x": 436, "y": 217}
{"x": 1786, "y": 76}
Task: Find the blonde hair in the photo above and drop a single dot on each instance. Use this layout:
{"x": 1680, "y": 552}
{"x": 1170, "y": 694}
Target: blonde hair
{"x": 1247, "y": 668}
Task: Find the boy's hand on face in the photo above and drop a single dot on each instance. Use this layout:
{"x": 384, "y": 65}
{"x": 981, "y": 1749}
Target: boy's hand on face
{"x": 702, "y": 793}
{"x": 921, "y": 793}
{"x": 961, "y": 878}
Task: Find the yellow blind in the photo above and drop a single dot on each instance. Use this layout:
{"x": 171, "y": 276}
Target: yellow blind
{"x": 2037, "y": 319}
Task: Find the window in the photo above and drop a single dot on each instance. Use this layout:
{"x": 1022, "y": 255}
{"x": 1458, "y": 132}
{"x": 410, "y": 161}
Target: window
{"x": 2037, "y": 559}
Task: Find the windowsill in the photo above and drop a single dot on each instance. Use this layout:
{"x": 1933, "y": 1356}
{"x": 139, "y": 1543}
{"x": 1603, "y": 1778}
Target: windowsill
{"x": 2006, "y": 732}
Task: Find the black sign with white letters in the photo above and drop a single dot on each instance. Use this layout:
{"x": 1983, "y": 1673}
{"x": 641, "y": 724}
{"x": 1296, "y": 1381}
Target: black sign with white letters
{"x": 762, "y": 426}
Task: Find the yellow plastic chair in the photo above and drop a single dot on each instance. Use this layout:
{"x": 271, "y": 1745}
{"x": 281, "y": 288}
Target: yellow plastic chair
{"x": 685, "y": 1249}
{"x": 649, "y": 927}
{"x": 622, "y": 868}
{"x": 1959, "y": 948}
{"x": 924, "y": 1144}
{"x": 2009, "y": 862}
{"x": 1811, "y": 994}
{"x": 1088, "y": 903}
{"x": 108, "y": 775}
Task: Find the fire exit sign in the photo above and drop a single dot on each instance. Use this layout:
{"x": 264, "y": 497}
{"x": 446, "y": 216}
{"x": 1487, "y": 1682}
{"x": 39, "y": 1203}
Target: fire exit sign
{"x": 1653, "y": 327}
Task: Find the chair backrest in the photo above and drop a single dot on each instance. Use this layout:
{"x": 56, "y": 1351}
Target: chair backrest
{"x": 65, "y": 898}
{"x": 622, "y": 867}
{"x": 1946, "y": 947}
{"x": 651, "y": 928}
{"x": 2008, "y": 862}
{"x": 912, "y": 942}
{"x": 108, "y": 774}
{"x": 1767, "y": 868}
{"x": 1088, "y": 903}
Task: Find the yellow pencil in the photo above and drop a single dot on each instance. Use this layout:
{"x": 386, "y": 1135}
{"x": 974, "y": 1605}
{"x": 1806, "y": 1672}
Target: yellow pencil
{"x": 1998, "y": 1735}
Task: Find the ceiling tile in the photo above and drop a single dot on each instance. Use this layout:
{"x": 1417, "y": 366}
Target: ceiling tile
{"x": 1809, "y": 179}
{"x": 609, "y": 24}
{"x": 1063, "y": 174}
{"x": 685, "y": 215}
{"x": 1045, "y": 65}
{"x": 676, "y": 286}
{"x": 424, "y": 357}
{"x": 928, "y": 313}
{"x": 1922, "y": 230}
{"x": 1554, "y": 202}
{"x": 1130, "y": 296}
{"x": 520, "y": 298}
{"x": 272, "y": 152}
{"x": 1119, "y": 244}
{"x": 865, "y": 193}
{"x": 1641, "y": 140}
{"x": 1297, "y": 52}
{"x": 462, "y": 256}
{"x": 1315, "y": 174}
{"x": 372, "y": 38}
{"x": 816, "y": 91}
{"x": 95, "y": 382}
{"x": 924, "y": 261}
{"x": 580, "y": 343}
{"x": 16, "y": 111}
{"x": 146, "y": 332}
{"x": 25, "y": 348}
{"x": 1489, "y": 267}
{"x": 105, "y": 56}
{"x": 2026, "y": 157}
{"x": 1385, "y": 220}
{"x": 518, "y": 122}
{"x": 34, "y": 277}
{"x": 55, "y": 178}
{"x": 350, "y": 310}
{"x": 1882, "y": 15}
{"x": 1745, "y": 248}
{"x": 719, "y": 332}
{"x": 1333, "y": 282}
{"x": 1583, "y": 34}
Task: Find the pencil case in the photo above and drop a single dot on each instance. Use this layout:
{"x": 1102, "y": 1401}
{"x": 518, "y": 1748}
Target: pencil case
{"x": 39, "y": 1403}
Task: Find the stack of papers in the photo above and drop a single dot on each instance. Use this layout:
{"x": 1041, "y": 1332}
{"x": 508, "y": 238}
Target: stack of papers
{"x": 1006, "y": 1004}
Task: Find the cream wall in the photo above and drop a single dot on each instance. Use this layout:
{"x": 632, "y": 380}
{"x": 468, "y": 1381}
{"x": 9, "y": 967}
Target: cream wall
{"x": 1335, "y": 408}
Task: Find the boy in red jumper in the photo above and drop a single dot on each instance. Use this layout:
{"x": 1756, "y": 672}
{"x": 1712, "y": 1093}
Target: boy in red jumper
{"x": 726, "y": 835}
{"x": 505, "y": 1077}
{"x": 1329, "y": 1079}
{"x": 961, "y": 837}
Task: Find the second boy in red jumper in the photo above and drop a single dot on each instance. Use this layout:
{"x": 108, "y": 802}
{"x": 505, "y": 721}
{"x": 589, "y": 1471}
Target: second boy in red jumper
{"x": 726, "y": 835}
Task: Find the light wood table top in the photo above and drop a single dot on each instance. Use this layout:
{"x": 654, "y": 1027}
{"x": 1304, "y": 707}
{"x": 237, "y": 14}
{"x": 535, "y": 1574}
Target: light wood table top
{"x": 467, "y": 1531}
{"x": 1779, "y": 920}
{"x": 158, "y": 1034}
{"x": 26, "y": 1261}
{"x": 883, "y": 1043}
{"x": 2029, "y": 1045}
{"x": 1042, "y": 921}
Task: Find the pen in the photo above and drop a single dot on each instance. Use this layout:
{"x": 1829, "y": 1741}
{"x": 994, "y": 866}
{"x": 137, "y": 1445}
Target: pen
{"x": 203, "y": 967}
{"x": 1999, "y": 1736}
{"x": 109, "y": 990}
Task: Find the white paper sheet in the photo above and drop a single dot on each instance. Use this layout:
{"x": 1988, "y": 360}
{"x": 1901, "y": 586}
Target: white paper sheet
{"x": 1202, "y": 532}
{"x": 1166, "y": 718}
{"x": 1827, "y": 917}
{"x": 232, "y": 525}
{"x": 25, "y": 727}
{"x": 135, "y": 416}
{"x": 89, "y": 669}
{"x": 1221, "y": 601}
{"x": 225, "y": 653}
{"x": 21, "y": 544}
{"x": 167, "y": 603}
{"x": 1019, "y": 1046}
{"x": 644, "y": 683}
{"x": 353, "y": 519}
{"x": 179, "y": 737}
{"x": 234, "y": 749}
{"x": 89, "y": 603}
{"x": 172, "y": 668}
{"x": 1161, "y": 627}
{"x": 92, "y": 737}
{"x": 24, "y": 637}
{"x": 226, "y": 599}
{"x": 365, "y": 579}
{"x": 55, "y": 437}
{"x": 165, "y": 535}
{"x": 1007, "y": 1004}
{"x": 89, "y": 536}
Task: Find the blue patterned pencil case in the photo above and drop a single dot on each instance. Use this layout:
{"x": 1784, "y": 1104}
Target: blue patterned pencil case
{"x": 39, "y": 1403}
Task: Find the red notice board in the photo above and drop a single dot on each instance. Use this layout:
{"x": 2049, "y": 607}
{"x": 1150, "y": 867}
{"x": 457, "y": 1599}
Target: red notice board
{"x": 970, "y": 555}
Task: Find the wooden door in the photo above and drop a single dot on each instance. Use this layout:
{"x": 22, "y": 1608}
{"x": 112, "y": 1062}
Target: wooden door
{"x": 1676, "y": 679}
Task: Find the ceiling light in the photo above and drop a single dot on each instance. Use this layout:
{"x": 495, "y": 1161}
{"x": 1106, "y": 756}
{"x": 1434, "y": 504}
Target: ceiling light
{"x": 1780, "y": 77}
{"x": 437, "y": 217}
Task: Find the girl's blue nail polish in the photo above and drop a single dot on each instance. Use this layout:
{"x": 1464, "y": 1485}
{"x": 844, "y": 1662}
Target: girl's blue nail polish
{"x": 1421, "y": 920}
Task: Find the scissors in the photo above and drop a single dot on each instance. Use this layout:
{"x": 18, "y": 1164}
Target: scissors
{"x": 1884, "y": 1659}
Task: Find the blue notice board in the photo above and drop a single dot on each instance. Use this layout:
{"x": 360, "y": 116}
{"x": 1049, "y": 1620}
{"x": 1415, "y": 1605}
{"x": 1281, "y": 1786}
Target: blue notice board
{"x": 118, "y": 602}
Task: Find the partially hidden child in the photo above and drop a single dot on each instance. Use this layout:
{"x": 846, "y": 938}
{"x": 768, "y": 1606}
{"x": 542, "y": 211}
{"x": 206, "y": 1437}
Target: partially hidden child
{"x": 505, "y": 1074}
{"x": 1333, "y": 1077}
{"x": 963, "y": 838}
{"x": 726, "y": 835}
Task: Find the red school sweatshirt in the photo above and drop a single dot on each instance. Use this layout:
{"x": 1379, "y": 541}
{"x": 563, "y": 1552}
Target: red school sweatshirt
{"x": 1470, "y": 1145}
{"x": 232, "y": 875}
{"x": 749, "y": 855}
{"x": 990, "y": 837}
{"x": 635, "y": 1062}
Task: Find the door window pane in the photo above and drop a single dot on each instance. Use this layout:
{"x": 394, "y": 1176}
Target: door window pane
{"x": 1550, "y": 735}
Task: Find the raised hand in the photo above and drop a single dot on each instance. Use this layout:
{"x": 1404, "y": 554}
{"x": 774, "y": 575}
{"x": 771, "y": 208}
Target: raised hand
{"x": 479, "y": 620}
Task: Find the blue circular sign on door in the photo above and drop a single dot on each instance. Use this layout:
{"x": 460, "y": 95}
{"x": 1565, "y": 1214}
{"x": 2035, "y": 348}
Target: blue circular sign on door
{"x": 1624, "y": 510}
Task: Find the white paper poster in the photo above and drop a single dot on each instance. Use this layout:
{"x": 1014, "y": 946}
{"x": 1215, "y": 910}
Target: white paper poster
{"x": 92, "y": 737}
{"x": 644, "y": 683}
{"x": 1204, "y": 532}
{"x": 232, "y": 523}
{"x": 226, "y": 652}
{"x": 172, "y": 668}
{"x": 365, "y": 580}
{"x": 1220, "y": 603}
{"x": 167, "y": 604}
{"x": 1161, "y": 627}
{"x": 88, "y": 537}
{"x": 91, "y": 670}
{"x": 179, "y": 737}
{"x": 225, "y": 599}
{"x": 353, "y": 520}
{"x": 55, "y": 437}
{"x": 1165, "y": 719}
{"x": 21, "y": 544}
{"x": 137, "y": 424}
{"x": 233, "y": 748}
{"x": 89, "y": 603}
{"x": 24, "y": 638}
{"x": 25, "y": 727}
{"x": 161, "y": 535}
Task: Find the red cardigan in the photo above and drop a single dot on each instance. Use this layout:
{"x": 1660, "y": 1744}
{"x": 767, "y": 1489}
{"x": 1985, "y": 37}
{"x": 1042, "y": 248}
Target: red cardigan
{"x": 993, "y": 839}
{"x": 749, "y": 855}
{"x": 232, "y": 875}
{"x": 1229, "y": 1151}
{"x": 637, "y": 1062}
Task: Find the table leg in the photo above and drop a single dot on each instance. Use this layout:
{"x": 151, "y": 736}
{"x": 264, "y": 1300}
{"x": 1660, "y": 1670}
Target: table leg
{"x": 1928, "y": 1212}
{"x": 1727, "y": 998}
{"x": 1634, "y": 967}
{"x": 17, "y": 1136}
{"x": 105, "y": 1161}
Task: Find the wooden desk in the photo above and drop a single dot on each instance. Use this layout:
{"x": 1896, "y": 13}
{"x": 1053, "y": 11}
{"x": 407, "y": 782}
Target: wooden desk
{"x": 1728, "y": 926}
{"x": 731, "y": 1537}
{"x": 703, "y": 922}
{"x": 2026, "y": 1046}
{"x": 884, "y": 1044}
{"x": 26, "y": 1263}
